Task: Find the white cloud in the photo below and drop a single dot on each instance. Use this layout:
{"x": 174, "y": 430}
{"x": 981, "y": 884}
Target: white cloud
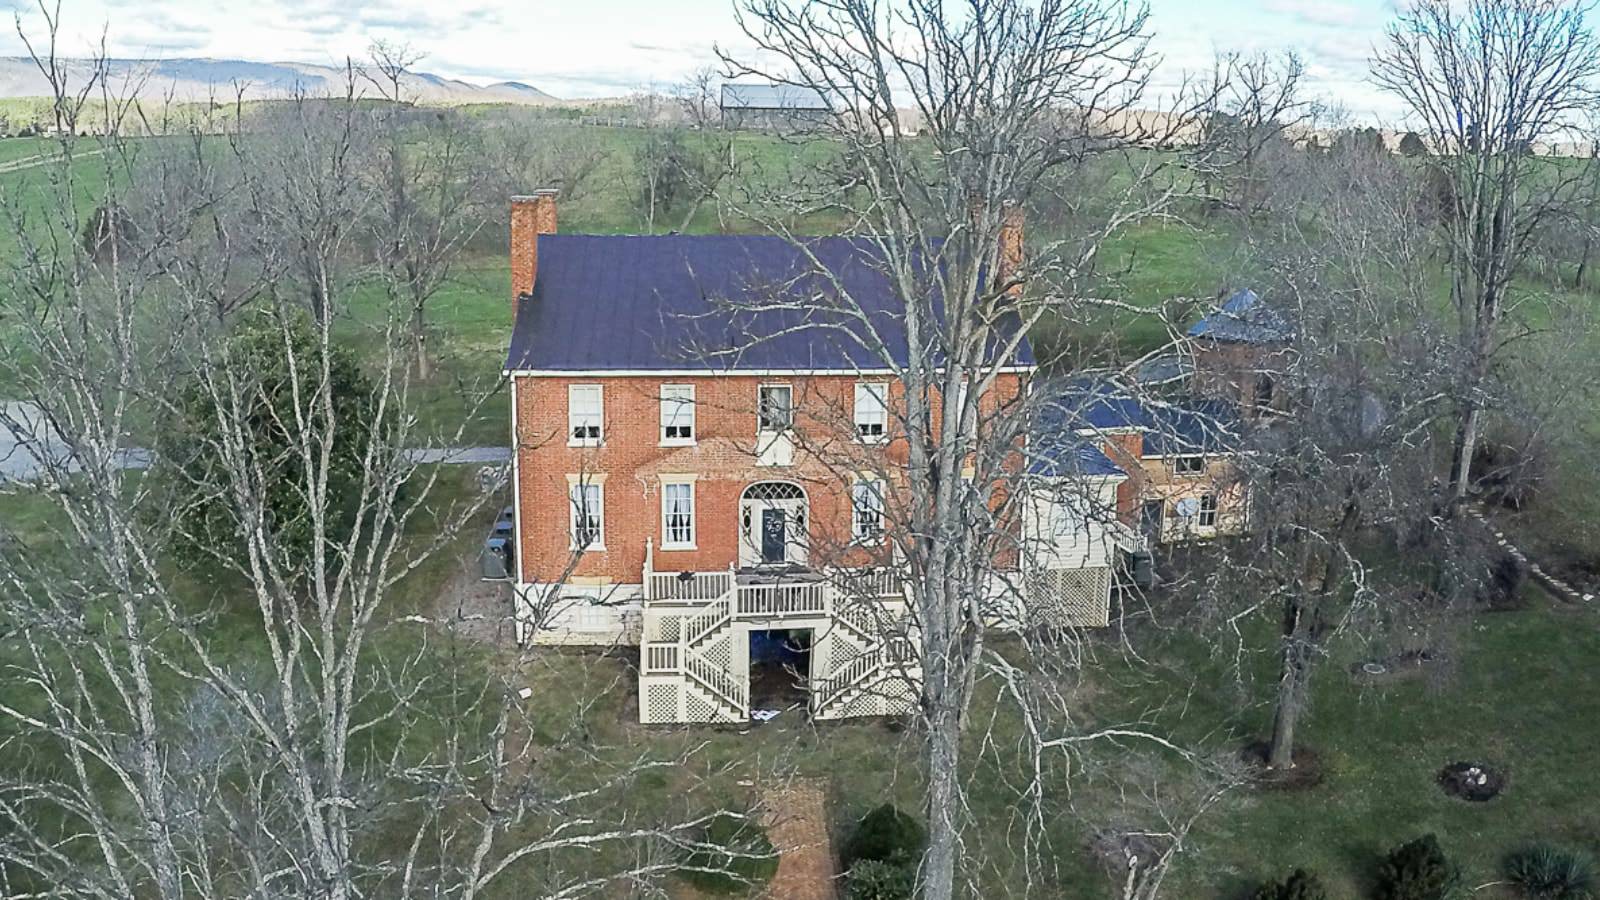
{"x": 580, "y": 48}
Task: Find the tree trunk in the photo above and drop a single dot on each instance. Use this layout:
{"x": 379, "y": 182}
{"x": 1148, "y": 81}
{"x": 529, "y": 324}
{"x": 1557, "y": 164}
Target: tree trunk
{"x": 944, "y": 800}
{"x": 1291, "y": 699}
{"x": 419, "y": 342}
{"x": 1465, "y": 444}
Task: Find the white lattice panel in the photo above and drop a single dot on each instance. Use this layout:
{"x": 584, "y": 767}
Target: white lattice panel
{"x": 699, "y": 710}
{"x": 660, "y": 703}
{"x": 1064, "y": 598}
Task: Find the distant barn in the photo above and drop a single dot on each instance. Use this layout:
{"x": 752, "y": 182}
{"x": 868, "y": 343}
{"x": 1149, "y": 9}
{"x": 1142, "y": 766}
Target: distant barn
{"x": 772, "y": 107}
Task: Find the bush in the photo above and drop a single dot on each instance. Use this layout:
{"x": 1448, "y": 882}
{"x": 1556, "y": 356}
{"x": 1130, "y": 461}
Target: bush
{"x": 1550, "y": 873}
{"x": 1300, "y": 885}
{"x": 872, "y": 879}
{"x": 886, "y": 835}
{"x": 263, "y": 351}
{"x": 734, "y": 855}
{"x": 1418, "y": 870}
{"x": 1507, "y": 576}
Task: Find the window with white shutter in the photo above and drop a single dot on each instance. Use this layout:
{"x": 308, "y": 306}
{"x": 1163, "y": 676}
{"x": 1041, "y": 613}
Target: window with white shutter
{"x": 588, "y": 516}
{"x": 585, "y": 410}
{"x": 677, "y": 515}
{"x": 872, "y": 412}
{"x": 866, "y": 505}
{"x": 677, "y": 414}
{"x": 775, "y": 407}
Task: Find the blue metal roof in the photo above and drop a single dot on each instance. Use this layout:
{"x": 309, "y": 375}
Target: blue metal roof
{"x": 1244, "y": 319}
{"x": 688, "y": 302}
{"x": 1192, "y": 426}
{"x": 1170, "y": 427}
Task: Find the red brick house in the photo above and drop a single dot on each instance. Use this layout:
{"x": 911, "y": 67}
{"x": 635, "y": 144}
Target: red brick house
{"x": 704, "y": 447}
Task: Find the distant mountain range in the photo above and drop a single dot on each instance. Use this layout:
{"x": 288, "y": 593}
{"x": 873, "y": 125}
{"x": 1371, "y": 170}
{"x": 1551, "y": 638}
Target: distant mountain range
{"x": 189, "y": 80}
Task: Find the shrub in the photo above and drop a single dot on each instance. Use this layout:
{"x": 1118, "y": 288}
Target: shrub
{"x": 1550, "y": 873}
{"x": 263, "y": 351}
{"x": 872, "y": 879}
{"x": 734, "y": 854}
{"x": 1507, "y": 576}
{"x": 1300, "y": 885}
{"x": 887, "y": 835}
{"x": 1418, "y": 870}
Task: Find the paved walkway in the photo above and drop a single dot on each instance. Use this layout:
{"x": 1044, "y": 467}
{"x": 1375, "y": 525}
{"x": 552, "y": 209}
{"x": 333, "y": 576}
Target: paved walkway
{"x": 797, "y": 823}
{"x": 26, "y": 437}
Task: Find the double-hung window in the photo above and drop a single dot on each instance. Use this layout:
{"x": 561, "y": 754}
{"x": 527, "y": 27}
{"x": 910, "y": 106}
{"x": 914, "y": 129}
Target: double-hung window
{"x": 866, "y": 506}
{"x": 775, "y": 407}
{"x": 588, "y": 516}
{"x": 585, "y": 409}
{"x": 872, "y": 412}
{"x": 677, "y": 414}
{"x": 1208, "y": 511}
{"x": 677, "y": 515}
{"x": 1189, "y": 465}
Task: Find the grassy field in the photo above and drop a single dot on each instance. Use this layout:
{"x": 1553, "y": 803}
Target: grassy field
{"x": 1511, "y": 697}
{"x": 1522, "y": 688}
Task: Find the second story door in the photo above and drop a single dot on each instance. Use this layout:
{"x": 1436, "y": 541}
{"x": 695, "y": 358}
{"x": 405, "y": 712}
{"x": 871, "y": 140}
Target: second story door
{"x": 774, "y": 535}
{"x": 772, "y": 525}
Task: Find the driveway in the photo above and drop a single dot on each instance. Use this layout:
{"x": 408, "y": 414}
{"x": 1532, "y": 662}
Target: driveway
{"x": 26, "y": 439}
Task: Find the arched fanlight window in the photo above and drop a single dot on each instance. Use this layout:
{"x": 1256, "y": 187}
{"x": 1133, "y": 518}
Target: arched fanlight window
{"x": 774, "y": 490}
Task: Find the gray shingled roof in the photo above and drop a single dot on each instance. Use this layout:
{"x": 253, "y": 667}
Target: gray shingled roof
{"x": 688, "y": 302}
{"x": 772, "y": 96}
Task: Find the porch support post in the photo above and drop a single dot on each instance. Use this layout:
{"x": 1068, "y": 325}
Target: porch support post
{"x": 649, "y": 567}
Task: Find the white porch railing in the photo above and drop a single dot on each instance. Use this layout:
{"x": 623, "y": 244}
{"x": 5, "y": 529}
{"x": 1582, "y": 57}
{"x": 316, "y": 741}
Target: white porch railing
{"x": 718, "y": 682}
{"x": 660, "y": 659}
{"x": 768, "y": 600}
{"x": 691, "y": 587}
{"x": 1127, "y": 539}
{"x": 706, "y": 622}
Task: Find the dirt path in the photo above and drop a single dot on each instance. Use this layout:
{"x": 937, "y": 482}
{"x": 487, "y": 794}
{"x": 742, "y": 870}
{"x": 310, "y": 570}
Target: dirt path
{"x": 30, "y": 162}
{"x": 478, "y": 609}
{"x": 797, "y": 823}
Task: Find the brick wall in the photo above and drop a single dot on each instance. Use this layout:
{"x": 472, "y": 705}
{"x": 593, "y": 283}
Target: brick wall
{"x": 1232, "y": 371}
{"x": 631, "y": 462}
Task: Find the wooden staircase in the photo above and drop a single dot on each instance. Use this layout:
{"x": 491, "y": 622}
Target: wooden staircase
{"x": 694, "y": 621}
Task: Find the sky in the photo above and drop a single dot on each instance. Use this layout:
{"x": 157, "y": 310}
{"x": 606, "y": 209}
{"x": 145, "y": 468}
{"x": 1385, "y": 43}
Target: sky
{"x": 595, "y": 48}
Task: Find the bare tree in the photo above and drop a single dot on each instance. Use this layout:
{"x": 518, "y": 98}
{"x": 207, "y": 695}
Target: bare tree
{"x": 1015, "y": 99}
{"x": 432, "y": 186}
{"x": 1350, "y": 464}
{"x": 271, "y": 721}
{"x": 1485, "y": 82}
{"x": 1248, "y": 139}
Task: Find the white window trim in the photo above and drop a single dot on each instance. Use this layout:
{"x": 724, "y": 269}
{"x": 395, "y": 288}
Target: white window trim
{"x": 882, "y": 390}
{"x": 694, "y": 525}
{"x": 1201, "y": 511}
{"x": 1178, "y": 460}
{"x": 600, "y": 416}
{"x": 760, "y": 426}
{"x": 694, "y": 426}
{"x": 599, "y": 545}
{"x": 856, "y": 534}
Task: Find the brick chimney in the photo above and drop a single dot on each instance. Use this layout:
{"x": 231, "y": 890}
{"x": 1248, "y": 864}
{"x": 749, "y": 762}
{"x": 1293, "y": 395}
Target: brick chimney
{"x": 1009, "y": 257}
{"x": 531, "y": 216}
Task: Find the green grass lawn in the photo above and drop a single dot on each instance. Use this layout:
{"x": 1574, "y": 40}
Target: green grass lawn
{"x": 14, "y": 149}
{"x": 1523, "y": 694}
{"x": 1524, "y": 688}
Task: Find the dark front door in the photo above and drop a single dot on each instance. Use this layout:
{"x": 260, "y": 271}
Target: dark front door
{"x": 774, "y": 535}
{"x": 1150, "y": 519}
